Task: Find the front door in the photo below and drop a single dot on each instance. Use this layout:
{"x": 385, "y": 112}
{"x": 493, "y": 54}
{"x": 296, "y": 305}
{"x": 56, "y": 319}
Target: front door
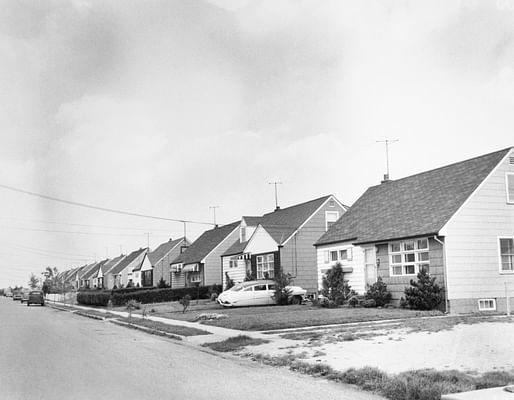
{"x": 370, "y": 266}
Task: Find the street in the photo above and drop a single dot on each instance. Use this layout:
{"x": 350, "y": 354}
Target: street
{"x": 52, "y": 354}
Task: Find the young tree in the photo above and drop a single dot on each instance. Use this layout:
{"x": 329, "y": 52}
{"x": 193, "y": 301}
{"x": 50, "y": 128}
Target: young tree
{"x": 33, "y": 281}
{"x": 378, "y": 292}
{"x": 335, "y": 287}
{"x": 424, "y": 294}
{"x": 229, "y": 282}
{"x": 162, "y": 283}
{"x": 282, "y": 293}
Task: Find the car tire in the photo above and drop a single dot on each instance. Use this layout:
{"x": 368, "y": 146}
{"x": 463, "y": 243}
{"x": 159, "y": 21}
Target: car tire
{"x": 28, "y": 304}
{"x": 296, "y": 300}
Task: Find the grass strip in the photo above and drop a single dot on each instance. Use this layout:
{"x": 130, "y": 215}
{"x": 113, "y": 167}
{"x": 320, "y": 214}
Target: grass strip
{"x": 424, "y": 384}
{"x": 235, "y": 343}
{"x": 160, "y": 326}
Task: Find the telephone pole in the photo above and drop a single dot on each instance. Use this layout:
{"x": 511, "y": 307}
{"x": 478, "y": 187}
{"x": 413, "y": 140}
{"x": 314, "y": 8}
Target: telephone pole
{"x": 387, "y": 141}
{"x": 277, "y": 207}
{"x": 214, "y": 211}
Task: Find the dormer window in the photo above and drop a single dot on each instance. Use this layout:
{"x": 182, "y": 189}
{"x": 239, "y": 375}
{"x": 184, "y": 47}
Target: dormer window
{"x": 243, "y": 234}
{"x": 509, "y": 182}
{"x": 330, "y": 218}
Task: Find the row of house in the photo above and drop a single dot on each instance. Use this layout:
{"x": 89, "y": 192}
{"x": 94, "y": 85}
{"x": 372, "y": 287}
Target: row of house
{"x": 455, "y": 222}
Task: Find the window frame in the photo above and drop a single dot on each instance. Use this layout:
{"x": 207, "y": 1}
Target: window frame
{"x": 500, "y": 263}
{"x": 507, "y": 174}
{"x": 493, "y": 301}
{"x": 327, "y": 213}
{"x": 408, "y": 248}
{"x": 264, "y": 265}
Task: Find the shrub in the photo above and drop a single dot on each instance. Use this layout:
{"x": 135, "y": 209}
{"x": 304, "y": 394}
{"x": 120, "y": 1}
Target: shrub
{"x": 353, "y": 301}
{"x": 185, "y": 301}
{"x": 229, "y": 281}
{"x": 378, "y": 292}
{"x": 162, "y": 284}
{"x": 369, "y": 303}
{"x": 281, "y": 295}
{"x": 424, "y": 294}
{"x": 335, "y": 287}
{"x": 96, "y": 298}
{"x": 146, "y": 296}
{"x": 250, "y": 276}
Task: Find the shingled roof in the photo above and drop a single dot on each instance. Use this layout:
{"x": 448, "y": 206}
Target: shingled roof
{"x": 282, "y": 223}
{"x": 202, "y": 246}
{"x": 111, "y": 263}
{"x": 94, "y": 270}
{"x": 126, "y": 261}
{"x": 163, "y": 249}
{"x": 418, "y": 205}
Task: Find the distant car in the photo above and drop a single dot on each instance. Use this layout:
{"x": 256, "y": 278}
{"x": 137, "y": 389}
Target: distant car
{"x": 257, "y": 293}
{"x": 8, "y": 294}
{"x": 24, "y": 297}
{"x": 16, "y": 296}
{"x": 36, "y": 297}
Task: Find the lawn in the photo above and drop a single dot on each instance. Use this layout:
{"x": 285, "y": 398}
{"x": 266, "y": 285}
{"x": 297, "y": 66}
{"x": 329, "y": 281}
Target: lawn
{"x": 283, "y": 317}
{"x": 173, "y": 329}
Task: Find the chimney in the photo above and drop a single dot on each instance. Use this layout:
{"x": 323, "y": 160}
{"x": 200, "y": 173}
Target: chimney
{"x": 277, "y": 208}
{"x": 386, "y": 179}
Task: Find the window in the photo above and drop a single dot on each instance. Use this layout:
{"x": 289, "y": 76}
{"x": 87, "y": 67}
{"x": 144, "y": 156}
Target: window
{"x": 487, "y": 305}
{"x": 409, "y": 257}
{"x": 327, "y": 256}
{"x": 195, "y": 277}
{"x": 331, "y": 203}
{"x": 506, "y": 254}
{"x": 259, "y": 288}
{"x": 232, "y": 262}
{"x": 243, "y": 234}
{"x": 333, "y": 256}
{"x": 343, "y": 255}
{"x": 265, "y": 266}
{"x": 330, "y": 218}
{"x": 509, "y": 182}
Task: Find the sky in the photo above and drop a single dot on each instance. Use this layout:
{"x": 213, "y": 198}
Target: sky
{"x": 168, "y": 108}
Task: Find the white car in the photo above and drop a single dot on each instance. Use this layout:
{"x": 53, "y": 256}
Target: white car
{"x": 257, "y": 293}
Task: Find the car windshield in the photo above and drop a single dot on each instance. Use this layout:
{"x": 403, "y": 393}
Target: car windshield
{"x": 236, "y": 288}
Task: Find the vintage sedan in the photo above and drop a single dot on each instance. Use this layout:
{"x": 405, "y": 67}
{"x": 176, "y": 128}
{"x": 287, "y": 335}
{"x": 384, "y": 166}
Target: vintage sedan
{"x": 257, "y": 293}
{"x": 36, "y": 297}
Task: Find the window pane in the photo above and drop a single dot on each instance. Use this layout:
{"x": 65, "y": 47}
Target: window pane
{"x": 410, "y": 257}
{"x": 507, "y": 246}
{"x": 397, "y": 258}
{"x": 333, "y": 255}
{"x": 271, "y": 287}
{"x": 424, "y": 267}
{"x": 395, "y": 247}
{"x": 410, "y": 270}
{"x": 259, "y": 287}
{"x": 271, "y": 258}
{"x": 422, "y": 244}
{"x": 260, "y": 259}
{"x": 423, "y": 256}
{"x": 408, "y": 246}
{"x": 397, "y": 270}
{"x": 342, "y": 254}
{"x": 507, "y": 263}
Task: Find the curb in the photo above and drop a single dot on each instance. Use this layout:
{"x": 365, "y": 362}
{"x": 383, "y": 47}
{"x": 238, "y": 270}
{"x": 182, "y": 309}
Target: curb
{"x": 147, "y": 330}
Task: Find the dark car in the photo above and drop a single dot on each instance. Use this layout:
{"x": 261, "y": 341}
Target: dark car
{"x": 16, "y": 295}
{"x": 36, "y": 297}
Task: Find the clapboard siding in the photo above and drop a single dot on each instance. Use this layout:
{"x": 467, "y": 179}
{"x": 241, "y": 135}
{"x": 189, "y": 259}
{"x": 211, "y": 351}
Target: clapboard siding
{"x": 237, "y": 274}
{"x": 355, "y": 278}
{"x": 212, "y": 263}
{"x": 472, "y": 241}
{"x": 298, "y": 256}
{"x": 162, "y": 267}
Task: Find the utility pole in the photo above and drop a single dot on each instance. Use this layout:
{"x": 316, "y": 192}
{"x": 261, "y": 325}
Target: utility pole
{"x": 387, "y": 141}
{"x": 184, "y": 229}
{"x": 277, "y": 207}
{"x": 214, "y": 211}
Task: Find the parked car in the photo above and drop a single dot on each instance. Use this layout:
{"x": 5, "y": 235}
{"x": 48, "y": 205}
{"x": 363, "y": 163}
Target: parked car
{"x": 24, "y": 297}
{"x": 36, "y": 297}
{"x": 16, "y": 295}
{"x": 257, "y": 293}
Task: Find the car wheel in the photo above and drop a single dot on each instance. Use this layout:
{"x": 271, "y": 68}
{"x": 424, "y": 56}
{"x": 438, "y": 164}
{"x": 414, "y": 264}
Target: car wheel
{"x": 296, "y": 300}
{"x": 28, "y": 304}
{"x": 42, "y": 304}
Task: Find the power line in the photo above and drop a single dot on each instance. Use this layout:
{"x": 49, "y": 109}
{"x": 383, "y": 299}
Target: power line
{"x": 112, "y": 210}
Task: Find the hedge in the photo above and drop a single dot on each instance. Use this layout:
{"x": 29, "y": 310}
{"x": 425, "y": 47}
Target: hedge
{"x": 144, "y": 296}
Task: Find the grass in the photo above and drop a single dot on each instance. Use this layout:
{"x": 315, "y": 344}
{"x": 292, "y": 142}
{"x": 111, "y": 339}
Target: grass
{"x": 426, "y": 384}
{"x": 234, "y": 343}
{"x": 172, "y": 329}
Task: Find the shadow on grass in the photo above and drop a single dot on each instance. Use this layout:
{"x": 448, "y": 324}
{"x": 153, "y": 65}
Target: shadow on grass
{"x": 235, "y": 343}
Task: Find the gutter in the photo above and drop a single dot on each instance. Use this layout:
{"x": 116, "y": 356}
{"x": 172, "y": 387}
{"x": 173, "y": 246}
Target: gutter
{"x": 446, "y": 300}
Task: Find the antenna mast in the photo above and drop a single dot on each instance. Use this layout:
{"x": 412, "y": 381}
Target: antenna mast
{"x": 387, "y": 141}
{"x": 214, "y": 212}
{"x": 277, "y": 207}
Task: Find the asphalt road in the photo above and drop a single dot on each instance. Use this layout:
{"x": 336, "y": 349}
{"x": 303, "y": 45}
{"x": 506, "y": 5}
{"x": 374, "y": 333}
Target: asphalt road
{"x": 50, "y": 354}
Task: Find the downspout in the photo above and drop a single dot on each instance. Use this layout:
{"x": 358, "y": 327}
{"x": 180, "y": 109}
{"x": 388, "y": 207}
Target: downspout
{"x": 446, "y": 300}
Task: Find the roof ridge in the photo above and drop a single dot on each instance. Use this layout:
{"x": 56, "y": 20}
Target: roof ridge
{"x": 446, "y": 166}
{"x": 297, "y": 205}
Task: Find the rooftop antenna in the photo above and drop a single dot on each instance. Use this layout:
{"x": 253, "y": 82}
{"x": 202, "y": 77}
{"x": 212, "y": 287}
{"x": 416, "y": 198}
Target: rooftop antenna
{"x": 214, "y": 211}
{"x": 277, "y": 207}
{"x": 387, "y": 141}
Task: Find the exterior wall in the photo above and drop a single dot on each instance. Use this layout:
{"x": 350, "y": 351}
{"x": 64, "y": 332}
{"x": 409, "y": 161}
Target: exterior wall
{"x": 261, "y": 242}
{"x": 212, "y": 263}
{"x": 472, "y": 249}
{"x": 299, "y": 257}
{"x": 237, "y": 274}
{"x": 163, "y": 267}
{"x": 464, "y": 306}
{"x": 397, "y": 284}
{"x": 355, "y": 278}
{"x": 178, "y": 279}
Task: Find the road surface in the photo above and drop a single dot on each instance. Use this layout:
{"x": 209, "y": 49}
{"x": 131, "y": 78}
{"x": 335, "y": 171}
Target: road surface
{"x": 50, "y": 354}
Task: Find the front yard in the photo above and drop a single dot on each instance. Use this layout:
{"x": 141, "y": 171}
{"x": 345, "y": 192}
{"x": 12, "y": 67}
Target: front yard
{"x": 279, "y": 317}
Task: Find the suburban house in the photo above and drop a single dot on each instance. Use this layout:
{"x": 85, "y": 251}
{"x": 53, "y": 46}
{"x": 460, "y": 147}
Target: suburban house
{"x": 455, "y": 222}
{"x": 91, "y": 277}
{"x": 121, "y": 274}
{"x": 143, "y": 268}
{"x": 200, "y": 264}
{"x": 104, "y": 268}
{"x": 161, "y": 259}
{"x": 282, "y": 240}
{"x": 81, "y": 276}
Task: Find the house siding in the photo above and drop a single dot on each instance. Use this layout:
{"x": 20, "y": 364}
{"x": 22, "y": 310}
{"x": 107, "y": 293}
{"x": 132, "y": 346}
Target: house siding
{"x": 178, "y": 279}
{"x": 212, "y": 263}
{"x": 299, "y": 256}
{"x": 472, "y": 245}
{"x": 237, "y": 274}
{"x": 397, "y": 284}
{"x": 355, "y": 278}
{"x": 162, "y": 268}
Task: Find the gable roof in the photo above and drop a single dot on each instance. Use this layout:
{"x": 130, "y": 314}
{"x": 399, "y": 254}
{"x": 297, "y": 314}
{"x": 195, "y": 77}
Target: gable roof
{"x": 417, "y": 205}
{"x": 126, "y": 261}
{"x": 282, "y": 223}
{"x": 85, "y": 270}
{"x": 163, "y": 249}
{"x": 202, "y": 246}
{"x": 111, "y": 263}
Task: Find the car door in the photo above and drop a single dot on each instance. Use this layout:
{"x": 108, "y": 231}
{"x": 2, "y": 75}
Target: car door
{"x": 245, "y": 297}
{"x": 271, "y": 293}
{"x": 260, "y": 294}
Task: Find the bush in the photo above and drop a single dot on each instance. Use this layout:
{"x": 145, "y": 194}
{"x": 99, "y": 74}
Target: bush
{"x": 96, "y": 298}
{"x": 378, "y": 292}
{"x": 229, "y": 281}
{"x": 162, "y": 284}
{"x": 185, "y": 301}
{"x": 281, "y": 295}
{"x": 335, "y": 287}
{"x": 369, "y": 303}
{"x": 424, "y": 294}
